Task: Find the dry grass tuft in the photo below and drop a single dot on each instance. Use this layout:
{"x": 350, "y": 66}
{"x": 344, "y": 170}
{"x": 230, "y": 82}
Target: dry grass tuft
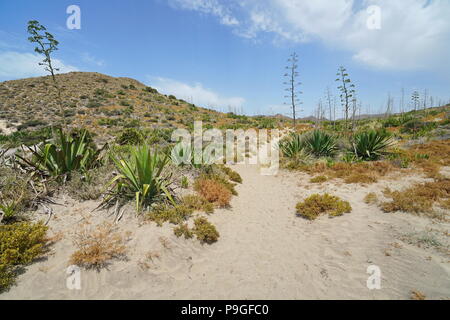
{"x": 318, "y": 179}
{"x": 316, "y": 205}
{"x": 96, "y": 248}
{"x": 361, "y": 172}
{"x": 371, "y": 198}
{"x": 417, "y": 295}
{"x": 213, "y": 191}
{"x": 361, "y": 178}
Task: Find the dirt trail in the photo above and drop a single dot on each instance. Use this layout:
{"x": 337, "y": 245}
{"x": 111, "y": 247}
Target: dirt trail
{"x": 264, "y": 252}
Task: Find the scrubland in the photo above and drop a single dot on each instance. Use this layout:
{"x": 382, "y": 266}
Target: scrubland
{"x": 111, "y": 199}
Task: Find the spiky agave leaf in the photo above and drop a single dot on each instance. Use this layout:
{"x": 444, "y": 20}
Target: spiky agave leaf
{"x": 371, "y": 145}
{"x": 141, "y": 177}
{"x": 291, "y": 145}
{"x": 320, "y": 144}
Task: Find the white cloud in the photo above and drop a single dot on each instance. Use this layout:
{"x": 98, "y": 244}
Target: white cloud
{"x": 212, "y": 7}
{"x": 87, "y": 57}
{"x": 195, "y": 93}
{"x": 414, "y": 34}
{"x": 15, "y": 65}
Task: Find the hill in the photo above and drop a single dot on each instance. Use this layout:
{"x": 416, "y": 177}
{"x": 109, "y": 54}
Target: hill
{"x": 101, "y": 103}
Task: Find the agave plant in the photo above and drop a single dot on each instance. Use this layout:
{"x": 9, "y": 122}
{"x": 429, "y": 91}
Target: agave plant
{"x": 69, "y": 153}
{"x": 371, "y": 145}
{"x": 141, "y": 177}
{"x": 291, "y": 145}
{"x": 320, "y": 144}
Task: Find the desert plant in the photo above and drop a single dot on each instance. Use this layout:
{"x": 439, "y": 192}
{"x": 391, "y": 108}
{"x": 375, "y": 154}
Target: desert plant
{"x": 70, "y": 153}
{"x": 205, "y": 231}
{"x": 320, "y": 144}
{"x": 318, "y": 179}
{"x": 141, "y": 177}
{"x": 20, "y": 244}
{"x": 130, "y": 136}
{"x": 167, "y": 213}
{"x": 96, "y": 248}
{"x": 371, "y": 145}
{"x": 317, "y": 204}
{"x": 183, "y": 230}
{"x": 291, "y": 145}
{"x": 213, "y": 191}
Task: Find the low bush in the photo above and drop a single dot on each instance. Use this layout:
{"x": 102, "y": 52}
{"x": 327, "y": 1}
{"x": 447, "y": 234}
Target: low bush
{"x": 172, "y": 214}
{"x": 371, "y": 198}
{"x": 20, "y": 244}
{"x": 205, "y": 231}
{"x": 318, "y": 179}
{"x": 183, "y": 230}
{"x": 316, "y": 205}
{"x": 197, "y": 203}
{"x": 96, "y": 248}
{"x": 233, "y": 175}
{"x": 419, "y": 198}
{"x": 213, "y": 191}
{"x": 130, "y": 136}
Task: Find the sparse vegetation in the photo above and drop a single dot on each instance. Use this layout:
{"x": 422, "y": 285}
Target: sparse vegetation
{"x": 419, "y": 198}
{"x": 97, "y": 247}
{"x": 141, "y": 177}
{"x": 205, "y": 231}
{"x": 213, "y": 191}
{"x": 316, "y": 205}
{"x": 20, "y": 244}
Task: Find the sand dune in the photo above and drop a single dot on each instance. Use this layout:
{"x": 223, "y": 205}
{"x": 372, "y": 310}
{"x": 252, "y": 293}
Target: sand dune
{"x": 264, "y": 251}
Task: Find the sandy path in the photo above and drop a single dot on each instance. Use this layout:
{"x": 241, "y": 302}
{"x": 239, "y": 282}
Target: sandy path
{"x": 264, "y": 252}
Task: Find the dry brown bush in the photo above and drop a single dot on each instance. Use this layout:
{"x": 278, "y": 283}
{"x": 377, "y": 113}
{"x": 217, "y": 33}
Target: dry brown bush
{"x": 96, "y": 248}
{"x": 213, "y": 191}
{"x": 419, "y": 198}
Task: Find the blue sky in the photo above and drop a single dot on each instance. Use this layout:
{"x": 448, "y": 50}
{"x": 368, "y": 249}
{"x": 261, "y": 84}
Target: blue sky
{"x": 229, "y": 53}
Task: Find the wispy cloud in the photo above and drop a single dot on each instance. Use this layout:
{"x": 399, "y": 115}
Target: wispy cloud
{"x": 194, "y": 93}
{"x": 90, "y": 59}
{"x": 414, "y": 34}
{"x": 212, "y": 7}
{"x": 15, "y": 65}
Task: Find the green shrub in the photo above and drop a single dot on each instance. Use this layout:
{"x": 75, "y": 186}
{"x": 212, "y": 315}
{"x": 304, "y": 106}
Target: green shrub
{"x": 183, "y": 230}
{"x": 130, "y": 136}
{"x": 316, "y": 205}
{"x": 205, "y": 231}
{"x": 20, "y": 244}
{"x": 318, "y": 179}
{"x": 172, "y": 214}
{"x": 15, "y": 193}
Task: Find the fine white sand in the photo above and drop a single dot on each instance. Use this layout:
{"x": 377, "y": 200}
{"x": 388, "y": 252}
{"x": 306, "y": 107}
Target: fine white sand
{"x": 264, "y": 252}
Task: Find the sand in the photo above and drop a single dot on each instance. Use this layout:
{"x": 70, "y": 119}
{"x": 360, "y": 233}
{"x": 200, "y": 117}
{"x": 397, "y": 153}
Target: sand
{"x": 264, "y": 252}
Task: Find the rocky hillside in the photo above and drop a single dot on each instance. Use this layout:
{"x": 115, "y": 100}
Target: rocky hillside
{"x": 101, "y": 103}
